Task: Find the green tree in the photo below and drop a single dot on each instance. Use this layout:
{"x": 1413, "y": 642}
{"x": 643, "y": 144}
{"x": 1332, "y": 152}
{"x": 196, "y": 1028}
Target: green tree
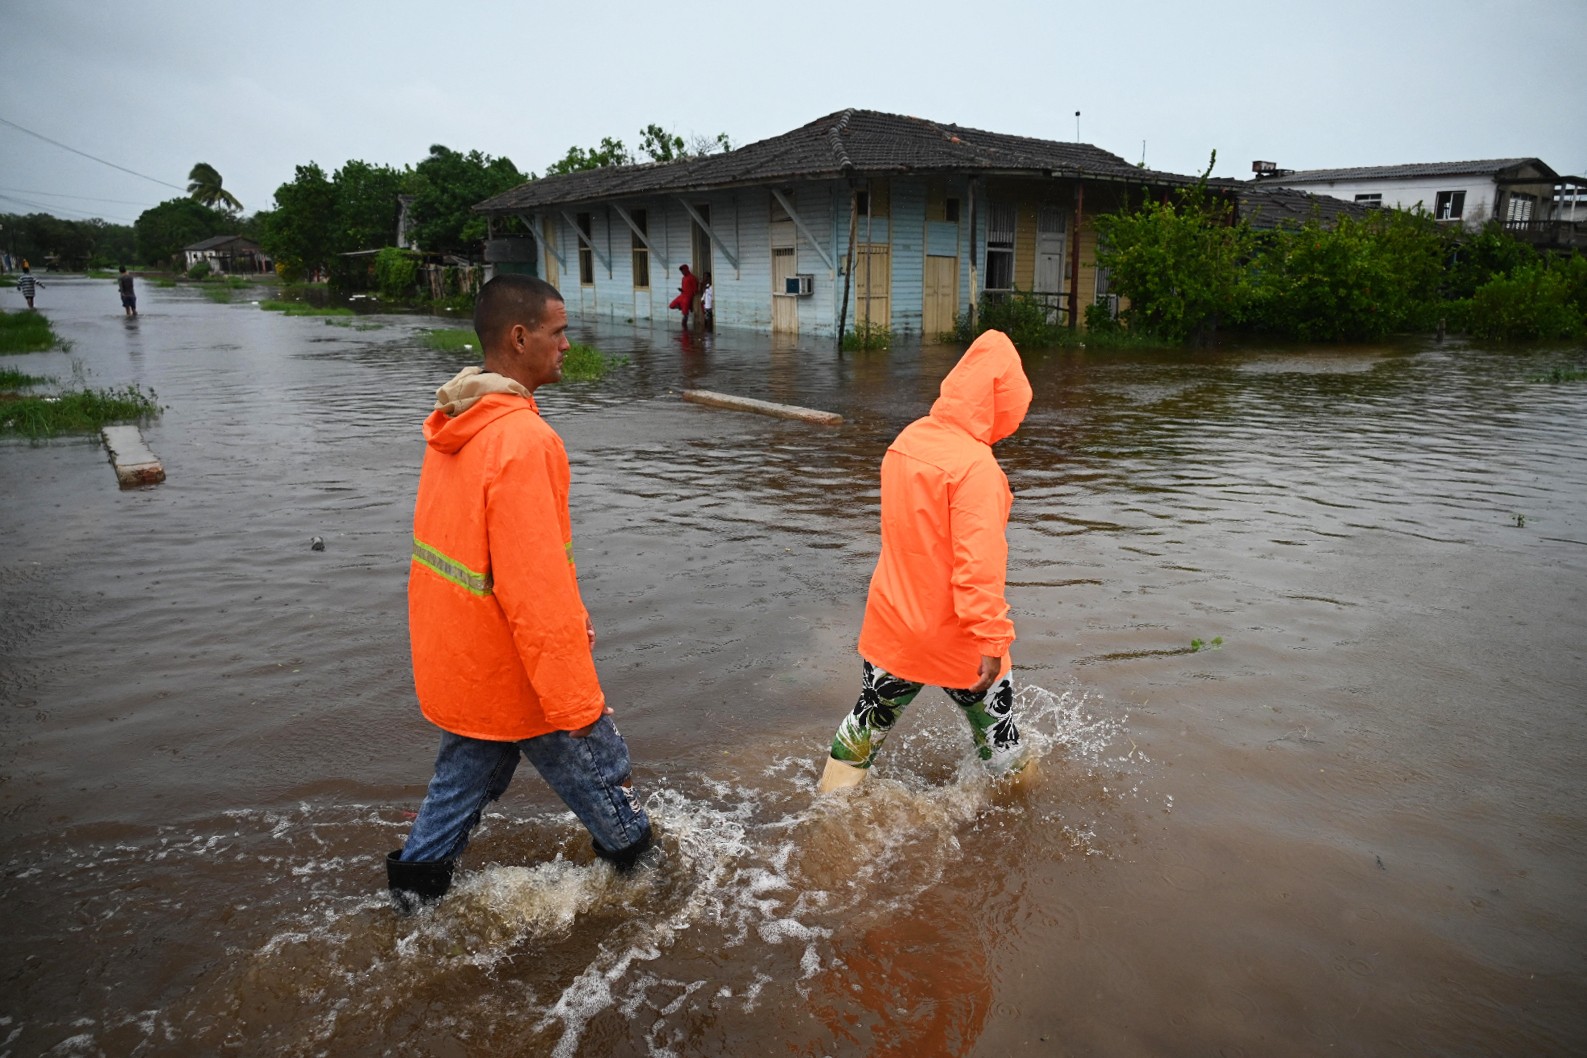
{"x": 659, "y": 145}
{"x": 300, "y": 230}
{"x": 610, "y": 152}
{"x": 204, "y": 186}
{"x": 445, "y": 187}
{"x": 162, "y": 231}
{"x": 1181, "y": 262}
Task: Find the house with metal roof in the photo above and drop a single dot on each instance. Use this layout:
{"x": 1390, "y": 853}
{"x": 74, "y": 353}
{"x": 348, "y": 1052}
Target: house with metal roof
{"x": 225, "y": 253}
{"x": 858, "y": 219}
{"x": 1530, "y": 199}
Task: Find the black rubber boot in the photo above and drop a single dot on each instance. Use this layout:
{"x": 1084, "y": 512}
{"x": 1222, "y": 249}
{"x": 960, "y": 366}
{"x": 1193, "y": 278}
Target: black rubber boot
{"x": 626, "y": 859}
{"x": 418, "y": 882}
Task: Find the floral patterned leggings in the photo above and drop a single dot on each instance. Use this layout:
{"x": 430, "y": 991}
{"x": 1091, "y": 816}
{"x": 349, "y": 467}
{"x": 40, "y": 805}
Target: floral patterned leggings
{"x": 883, "y": 697}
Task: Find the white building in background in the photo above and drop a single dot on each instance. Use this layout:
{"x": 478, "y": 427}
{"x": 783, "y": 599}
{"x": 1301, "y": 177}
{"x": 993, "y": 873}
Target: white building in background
{"x": 1530, "y": 199}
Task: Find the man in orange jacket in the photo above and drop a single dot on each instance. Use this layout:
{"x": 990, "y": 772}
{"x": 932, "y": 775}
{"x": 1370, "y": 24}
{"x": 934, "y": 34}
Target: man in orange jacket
{"x": 936, "y": 612}
{"x": 502, "y": 644}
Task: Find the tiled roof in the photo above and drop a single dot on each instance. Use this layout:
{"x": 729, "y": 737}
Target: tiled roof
{"x": 1265, "y": 206}
{"x": 215, "y": 242}
{"x": 847, "y": 143}
{"x": 1486, "y": 167}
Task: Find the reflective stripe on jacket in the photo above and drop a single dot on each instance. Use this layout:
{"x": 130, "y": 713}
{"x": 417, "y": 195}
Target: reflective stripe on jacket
{"x": 936, "y": 603}
{"x": 497, "y": 626}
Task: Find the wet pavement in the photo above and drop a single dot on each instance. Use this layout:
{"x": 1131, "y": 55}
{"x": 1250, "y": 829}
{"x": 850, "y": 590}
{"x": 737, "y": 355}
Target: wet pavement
{"x": 1354, "y": 827}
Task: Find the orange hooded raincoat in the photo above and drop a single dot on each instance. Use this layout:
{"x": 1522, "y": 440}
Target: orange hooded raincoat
{"x": 936, "y": 603}
{"x": 500, "y": 647}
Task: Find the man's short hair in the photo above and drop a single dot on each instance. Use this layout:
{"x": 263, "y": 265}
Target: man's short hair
{"x": 507, "y": 300}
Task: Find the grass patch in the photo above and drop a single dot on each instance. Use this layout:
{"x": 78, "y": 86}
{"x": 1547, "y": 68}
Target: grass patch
{"x": 165, "y": 282}
{"x": 219, "y": 295}
{"x": 585, "y": 363}
{"x": 100, "y": 273}
{"x": 868, "y": 336}
{"x": 298, "y": 308}
{"x": 26, "y": 332}
{"x": 76, "y": 411}
{"x": 452, "y": 339}
{"x": 12, "y": 379}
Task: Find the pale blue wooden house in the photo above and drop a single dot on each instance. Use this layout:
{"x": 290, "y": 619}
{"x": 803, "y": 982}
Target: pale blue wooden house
{"x": 859, "y": 219}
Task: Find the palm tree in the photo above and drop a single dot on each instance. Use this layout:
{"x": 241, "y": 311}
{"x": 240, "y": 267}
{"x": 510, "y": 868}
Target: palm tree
{"x": 204, "y": 186}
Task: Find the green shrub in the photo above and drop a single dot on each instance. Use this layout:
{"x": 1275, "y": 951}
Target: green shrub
{"x": 1028, "y": 320}
{"x": 1533, "y": 301}
{"x": 396, "y": 273}
{"x": 868, "y": 336}
{"x": 11, "y": 379}
{"x": 199, "y": 270}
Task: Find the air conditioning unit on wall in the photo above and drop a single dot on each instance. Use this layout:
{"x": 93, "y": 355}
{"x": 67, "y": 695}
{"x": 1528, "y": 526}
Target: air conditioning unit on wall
{"x": 802, "y": 285}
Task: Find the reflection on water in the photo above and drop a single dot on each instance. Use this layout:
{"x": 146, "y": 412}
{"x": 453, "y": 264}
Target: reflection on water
{"x": 1353, "y": 828}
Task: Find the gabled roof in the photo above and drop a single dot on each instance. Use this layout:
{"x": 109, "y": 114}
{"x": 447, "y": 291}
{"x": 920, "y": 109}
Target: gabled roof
{"x": 1493, "y": 167}
{"x": 215, "y": 242}
{"x": 847, "y": 143}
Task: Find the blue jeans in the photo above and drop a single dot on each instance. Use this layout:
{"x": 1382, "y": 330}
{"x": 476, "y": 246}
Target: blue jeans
{"x": 591, "y": 775}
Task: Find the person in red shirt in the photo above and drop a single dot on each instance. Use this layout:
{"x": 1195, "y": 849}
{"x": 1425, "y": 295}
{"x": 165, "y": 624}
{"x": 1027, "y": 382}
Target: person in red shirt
{"x": 502, "y": 643}
{"x": 686, "y": 291}
{"x": 936, "y": 611}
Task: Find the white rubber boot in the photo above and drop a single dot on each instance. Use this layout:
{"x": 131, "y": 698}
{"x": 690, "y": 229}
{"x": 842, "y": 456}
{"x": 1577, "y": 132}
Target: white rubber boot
{"x": 839, "y": 774}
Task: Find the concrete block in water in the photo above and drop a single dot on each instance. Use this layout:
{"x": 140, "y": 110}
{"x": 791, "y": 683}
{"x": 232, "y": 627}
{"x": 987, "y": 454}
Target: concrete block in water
{"x": 762, "y": 407}
{"x": 135, "y": 464}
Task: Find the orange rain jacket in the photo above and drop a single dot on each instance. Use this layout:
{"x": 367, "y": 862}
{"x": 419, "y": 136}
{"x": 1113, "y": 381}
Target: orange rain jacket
{"x": 936, "y": 604}
{"x": 500, "y": 648}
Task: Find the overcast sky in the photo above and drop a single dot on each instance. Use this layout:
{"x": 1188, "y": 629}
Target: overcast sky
{"x": 257, "y": 88}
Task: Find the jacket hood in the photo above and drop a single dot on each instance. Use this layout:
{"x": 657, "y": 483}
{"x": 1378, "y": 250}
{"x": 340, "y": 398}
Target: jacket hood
{"x": 468, "y": 403}
{"x": 986, "y": 394}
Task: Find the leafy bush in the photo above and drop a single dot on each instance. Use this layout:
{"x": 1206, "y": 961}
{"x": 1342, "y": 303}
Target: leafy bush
{"x": 1028, "y": 321}
{"x": 1181, "y": 263}
{"x": 585, "y": 363}
{"x": 396, "y": 273}
{"x": 868, "y": 336}
{"x": 1357, "y": 280}
{"x": 199, "y": 270}
{"x": 1533, "y": 301}
{"x": 1472, "y": 260}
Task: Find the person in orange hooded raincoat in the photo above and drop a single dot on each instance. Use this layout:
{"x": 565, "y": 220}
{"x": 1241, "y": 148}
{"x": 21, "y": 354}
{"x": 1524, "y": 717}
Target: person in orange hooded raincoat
{"x": 936, "y": 612}
{"x": 502, "y": 643}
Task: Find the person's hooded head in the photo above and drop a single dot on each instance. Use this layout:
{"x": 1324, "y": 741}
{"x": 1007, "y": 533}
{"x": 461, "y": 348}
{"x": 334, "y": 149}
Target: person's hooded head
{"x": 684, "y": 269}
{"x": 986, "y": 394}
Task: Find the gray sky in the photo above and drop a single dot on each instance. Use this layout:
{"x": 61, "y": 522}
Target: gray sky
{"x": 256, "y": 88}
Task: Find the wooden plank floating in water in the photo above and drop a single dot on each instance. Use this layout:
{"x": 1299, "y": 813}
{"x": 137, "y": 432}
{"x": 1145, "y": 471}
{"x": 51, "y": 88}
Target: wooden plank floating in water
{"x": 135, "y": 464}
{"x": 762, "y": 407}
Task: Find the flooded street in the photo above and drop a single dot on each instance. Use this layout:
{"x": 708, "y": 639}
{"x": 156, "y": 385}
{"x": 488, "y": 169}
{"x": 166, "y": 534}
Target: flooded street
{"x": 1351, "y": 824}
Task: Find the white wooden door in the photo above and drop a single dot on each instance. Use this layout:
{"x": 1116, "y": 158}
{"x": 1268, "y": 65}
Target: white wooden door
{"x": 784, "y": 307}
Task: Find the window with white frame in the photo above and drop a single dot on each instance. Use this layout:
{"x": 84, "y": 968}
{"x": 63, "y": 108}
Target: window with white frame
{"x": 1372, "y": 201}
{"x": 1449, "y": 205}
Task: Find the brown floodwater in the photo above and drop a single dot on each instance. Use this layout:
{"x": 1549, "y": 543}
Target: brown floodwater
{"x": 1351, "y": 824}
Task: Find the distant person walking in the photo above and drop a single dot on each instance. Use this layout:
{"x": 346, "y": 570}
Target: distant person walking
{"x": 686, "y": 291}
{"x": 936, "y": 612}
{"x": 708, "y": 304}
{"x": 129, "y": 297}
{"x": 502, "y": 645}
{"x": 27, "y": 283}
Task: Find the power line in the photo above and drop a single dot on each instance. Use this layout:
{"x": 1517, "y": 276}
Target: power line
{"x": 81, "y": 198}
{"x": 46, "y": 208}
{"x": 90, "y": 157}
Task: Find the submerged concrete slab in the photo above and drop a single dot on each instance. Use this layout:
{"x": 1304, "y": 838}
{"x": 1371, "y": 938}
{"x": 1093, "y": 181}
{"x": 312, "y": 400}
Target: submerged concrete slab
{"x": 762, "y": 407}
{"x": 135, "y": 464}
